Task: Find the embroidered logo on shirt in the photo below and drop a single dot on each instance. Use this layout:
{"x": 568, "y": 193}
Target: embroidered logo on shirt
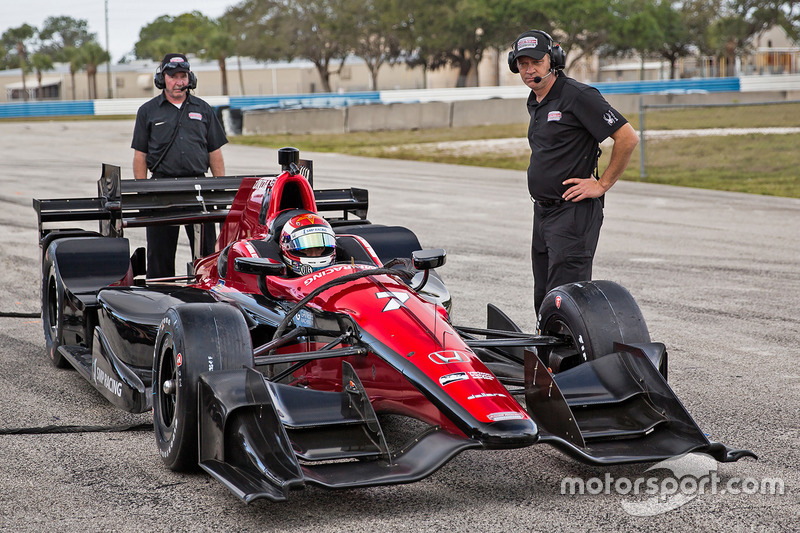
{"x": 554, "y": 116}
{"x": 196, "y": 116}
{"x": 610, "y": 118}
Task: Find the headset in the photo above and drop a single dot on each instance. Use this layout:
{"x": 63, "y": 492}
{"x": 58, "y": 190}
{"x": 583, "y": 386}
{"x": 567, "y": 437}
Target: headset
{"x": 160, "y": 83}
{"x": 558, "y": 59}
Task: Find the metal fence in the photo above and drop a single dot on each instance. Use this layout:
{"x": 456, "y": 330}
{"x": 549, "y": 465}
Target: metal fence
{"x": 643, "y": 111}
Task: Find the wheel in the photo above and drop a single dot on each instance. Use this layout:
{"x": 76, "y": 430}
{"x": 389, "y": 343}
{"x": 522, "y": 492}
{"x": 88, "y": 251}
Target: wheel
{"x": 192, "y": 339}
{"x": 53, "y": 311}
{"x": 593, "y": 315}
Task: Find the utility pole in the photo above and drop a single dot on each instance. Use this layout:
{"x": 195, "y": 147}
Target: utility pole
{"x": 108, "y": 63}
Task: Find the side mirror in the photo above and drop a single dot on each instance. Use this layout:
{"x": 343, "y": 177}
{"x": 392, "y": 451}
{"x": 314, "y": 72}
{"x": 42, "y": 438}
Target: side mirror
{"x": 429, "y": 259}
{"x": 259, "y": 266}
{"x": 426, "y": 260}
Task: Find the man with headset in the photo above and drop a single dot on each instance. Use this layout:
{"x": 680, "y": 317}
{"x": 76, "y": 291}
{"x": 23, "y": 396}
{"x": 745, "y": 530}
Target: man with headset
{"x": 176, "y": 135}
{"x": 568, "y": 122}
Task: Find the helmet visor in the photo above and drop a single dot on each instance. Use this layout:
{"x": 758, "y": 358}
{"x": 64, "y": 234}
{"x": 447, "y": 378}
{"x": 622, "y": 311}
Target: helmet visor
{"x": 313, "y": 242}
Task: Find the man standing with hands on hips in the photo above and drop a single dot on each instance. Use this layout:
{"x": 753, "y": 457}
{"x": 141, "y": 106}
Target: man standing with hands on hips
{"x": 176, "y": 135}
{"x": 568, "y": 122}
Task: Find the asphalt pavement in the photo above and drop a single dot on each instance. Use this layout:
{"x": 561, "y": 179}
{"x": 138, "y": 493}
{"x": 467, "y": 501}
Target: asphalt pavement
{"x": 717, "y": 276}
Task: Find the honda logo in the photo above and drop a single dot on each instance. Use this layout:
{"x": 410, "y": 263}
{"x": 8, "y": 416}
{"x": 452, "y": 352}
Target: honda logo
{"x": 449, "y": 356}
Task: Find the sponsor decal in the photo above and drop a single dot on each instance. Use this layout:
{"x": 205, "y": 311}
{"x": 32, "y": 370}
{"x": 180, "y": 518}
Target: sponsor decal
{"x": 481, "y": 375}
{"x": 323, "y": 273}
{"x": 448, "y": 356}
{"x": 558, "y": 302}
{"x": 264, "y": 184}
{"x": 304, "y": 317}
{"x": 179, "y": 359}
{"x": 210, "y": 364}
{"x": 508, "y": 415}
{"x": 452, "y": 378}
{"x": 195, "y": 116}
{"x": 609, "y": 117}
{"x": 104, "y": 380}
{"x": 396, "y": 300}
{"x": 554, "y": 116}
{"x": 251, "y": 251}
{"x": 527, "y": 42}
{"x": 485, "y": 395}
{"x": 582, "y": 346}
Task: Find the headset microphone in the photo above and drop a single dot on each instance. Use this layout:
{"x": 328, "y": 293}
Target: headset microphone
{"x": 538, "y": 79}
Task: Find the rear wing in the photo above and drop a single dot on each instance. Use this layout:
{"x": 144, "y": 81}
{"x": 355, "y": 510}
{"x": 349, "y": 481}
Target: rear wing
{"x": 132, "y": 203}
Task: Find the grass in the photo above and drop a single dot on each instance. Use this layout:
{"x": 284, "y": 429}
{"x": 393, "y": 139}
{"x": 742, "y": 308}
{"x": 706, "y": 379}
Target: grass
{"x": 753, "y": 163}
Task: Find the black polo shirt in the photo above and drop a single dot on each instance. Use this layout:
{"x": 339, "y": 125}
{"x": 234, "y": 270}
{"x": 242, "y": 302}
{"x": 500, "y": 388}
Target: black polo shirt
{"x": 564, "y": 133}
{"x": 199, "y": 133}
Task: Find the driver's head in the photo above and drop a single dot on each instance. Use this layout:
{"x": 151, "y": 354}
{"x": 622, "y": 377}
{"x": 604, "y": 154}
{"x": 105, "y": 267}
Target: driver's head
{"x": 307, "y": 243}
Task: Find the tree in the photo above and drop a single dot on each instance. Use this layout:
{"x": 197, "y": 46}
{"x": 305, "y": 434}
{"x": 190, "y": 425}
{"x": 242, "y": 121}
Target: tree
{"x": 17, "y": 41}
{"x": 422, "y": 34}
{"x": 168, "y": 34}
{"x": 218, "y": 44}
{"x": 372, "y": 37}
{"x": 77, "y": 62}
{"x": 315, "y": 30}
{"x": 676, "y": 27}
{"x": 41, "y": 62}
{"x": 60, "y": 33}
{"x": 582, "y": 27}
{"x": 94, "y": 55}
{"x": 737, "y": 21}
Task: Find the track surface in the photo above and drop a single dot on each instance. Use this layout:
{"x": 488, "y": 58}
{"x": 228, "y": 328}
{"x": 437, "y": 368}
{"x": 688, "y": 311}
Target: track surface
{"x": 717, "y": 276}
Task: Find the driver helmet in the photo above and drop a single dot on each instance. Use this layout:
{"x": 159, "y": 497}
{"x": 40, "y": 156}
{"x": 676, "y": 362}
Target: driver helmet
{"x": 307, "y": 243}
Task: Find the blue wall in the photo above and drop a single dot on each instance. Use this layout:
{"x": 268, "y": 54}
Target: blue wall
{"x": 64, "y": 108}
{"x": 46, "y": 109}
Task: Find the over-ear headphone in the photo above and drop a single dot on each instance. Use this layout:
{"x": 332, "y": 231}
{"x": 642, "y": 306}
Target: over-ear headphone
{"x": 160, "y": 83}
{"x": 558, "y": 59}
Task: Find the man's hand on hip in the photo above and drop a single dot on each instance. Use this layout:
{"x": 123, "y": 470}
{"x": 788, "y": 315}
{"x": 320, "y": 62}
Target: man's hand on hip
{"x": 582, "y": 188}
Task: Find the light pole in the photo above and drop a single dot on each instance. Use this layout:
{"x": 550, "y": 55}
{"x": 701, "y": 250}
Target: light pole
{"x": 108, "y": 63}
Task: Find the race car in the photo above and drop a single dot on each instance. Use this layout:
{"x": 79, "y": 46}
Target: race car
{"x": 349, "y": 375}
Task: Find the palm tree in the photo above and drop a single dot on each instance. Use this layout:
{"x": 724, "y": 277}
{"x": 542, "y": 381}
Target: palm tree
{"x": 218, "y": 44}
{"x": 41, "y": 62}
{"x": 94, "y": 55}
{"x": 18, "y": 40}
{"x": 76, "y": 63}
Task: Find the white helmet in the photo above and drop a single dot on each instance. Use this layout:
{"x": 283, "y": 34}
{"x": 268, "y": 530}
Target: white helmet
{"x": 307, "y": 243}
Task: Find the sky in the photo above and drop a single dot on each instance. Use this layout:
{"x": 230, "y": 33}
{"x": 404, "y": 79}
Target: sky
{"x": 125, "y": 17}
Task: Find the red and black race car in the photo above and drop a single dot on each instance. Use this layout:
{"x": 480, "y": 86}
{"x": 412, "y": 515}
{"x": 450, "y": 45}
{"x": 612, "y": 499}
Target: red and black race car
{"x": 349, "y": 376}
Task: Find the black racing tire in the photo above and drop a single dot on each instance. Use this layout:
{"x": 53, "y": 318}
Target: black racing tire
{"x": 53, "y": 298}
{"x": 192, "y": 339}
{"x": 593, "y": 315}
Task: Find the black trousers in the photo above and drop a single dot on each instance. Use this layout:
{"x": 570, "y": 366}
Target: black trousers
{"x": 162, "y": 242}
{"x": 563, "y": 245}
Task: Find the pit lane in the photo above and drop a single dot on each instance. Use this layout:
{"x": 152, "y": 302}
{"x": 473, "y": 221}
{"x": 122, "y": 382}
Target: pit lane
{"x": 717, "y": 276}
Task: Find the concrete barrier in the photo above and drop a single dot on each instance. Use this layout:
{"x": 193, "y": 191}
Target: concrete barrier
{"x": 488, "y": 112}
{"x": 295, "y": 121}
{"x": 396, "y": 116}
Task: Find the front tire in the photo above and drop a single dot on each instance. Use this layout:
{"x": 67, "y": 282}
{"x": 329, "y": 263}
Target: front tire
{"x": 192, "y": 339}
{"x": 593, "y": 315}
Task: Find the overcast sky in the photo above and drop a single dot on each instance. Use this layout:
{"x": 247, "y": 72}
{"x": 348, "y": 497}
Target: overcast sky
{"x": 125, "y": 17}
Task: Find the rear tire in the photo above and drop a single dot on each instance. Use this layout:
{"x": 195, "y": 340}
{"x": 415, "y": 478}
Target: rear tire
{"x": 53, "y": 297}
{"x": 593, "y": 315}
{"x": 192, "y": 339}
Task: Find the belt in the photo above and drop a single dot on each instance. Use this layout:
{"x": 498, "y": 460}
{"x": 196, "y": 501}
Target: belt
{"x": 550, "y": 203}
